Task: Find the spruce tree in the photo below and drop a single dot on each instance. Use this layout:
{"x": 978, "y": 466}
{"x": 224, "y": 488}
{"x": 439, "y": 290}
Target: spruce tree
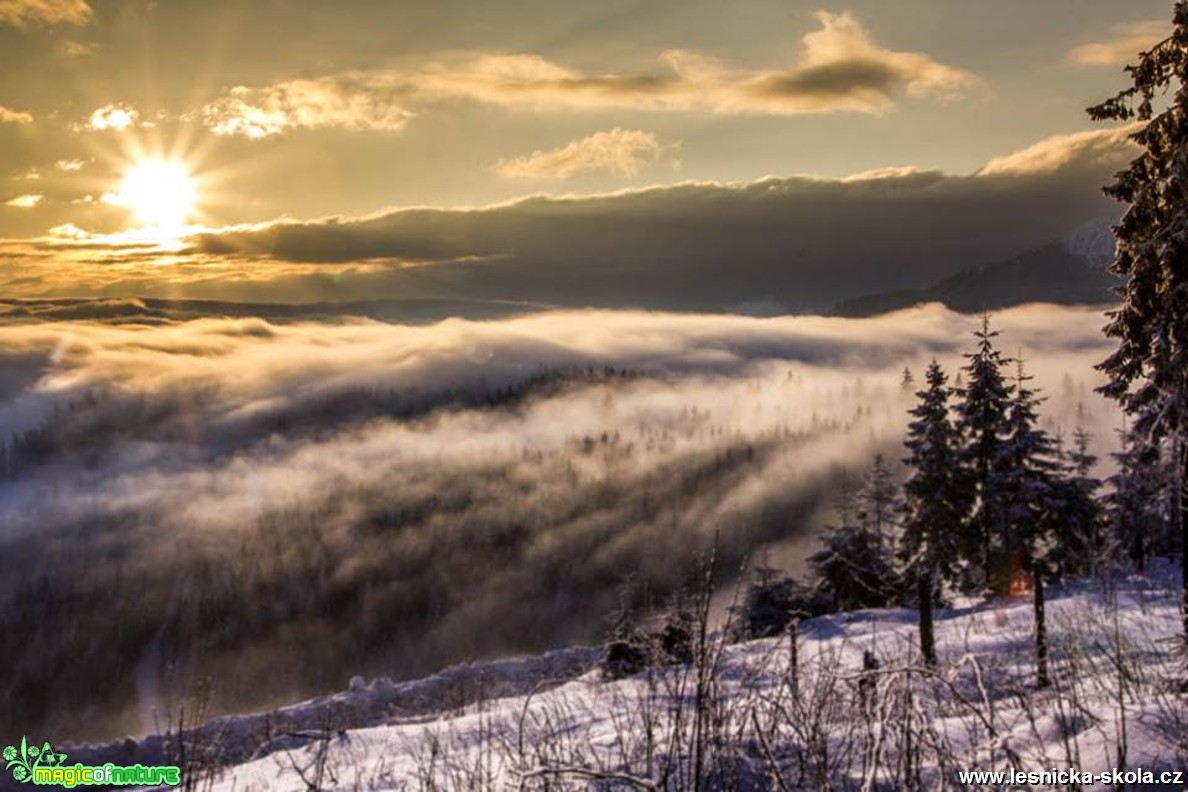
{"x": 935, "y": 501}
{"x": 772, "y": 602}
{"x": 877, "y": 503}
{"x": 853, "y": 566}
{"x": 1148, "y": 373}
{"x": 628, "y": 648}
{"x": 1031, "y": 494}
{"x": 907, "y": 382}
{"x": 853, "y": 569}
{"x": 1081, "y": 546}
{"x": 1137, "y": 501}
{"x": 981, "y": 419}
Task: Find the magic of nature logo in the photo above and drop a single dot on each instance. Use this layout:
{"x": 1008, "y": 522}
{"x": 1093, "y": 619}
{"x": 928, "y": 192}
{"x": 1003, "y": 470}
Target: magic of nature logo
{"x": 46, "y": 766}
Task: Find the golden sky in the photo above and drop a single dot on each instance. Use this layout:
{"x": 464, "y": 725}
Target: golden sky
{"x": 441, "y": 133}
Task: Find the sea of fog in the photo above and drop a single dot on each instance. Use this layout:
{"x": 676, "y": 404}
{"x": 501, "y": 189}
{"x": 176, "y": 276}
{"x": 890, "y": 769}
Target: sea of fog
{"x": 246, "y": 512}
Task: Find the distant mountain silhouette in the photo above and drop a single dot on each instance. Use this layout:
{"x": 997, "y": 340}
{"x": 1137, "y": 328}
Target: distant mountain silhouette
{"x": 1050, "y": 274}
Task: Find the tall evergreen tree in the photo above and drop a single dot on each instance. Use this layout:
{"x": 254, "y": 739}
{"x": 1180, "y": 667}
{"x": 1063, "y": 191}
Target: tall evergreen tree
{"x": 1032, "y": 504}
{"x": 981, "y": 419}
{"x": 1148, "y": 373}
{"x": 935, "y": 500}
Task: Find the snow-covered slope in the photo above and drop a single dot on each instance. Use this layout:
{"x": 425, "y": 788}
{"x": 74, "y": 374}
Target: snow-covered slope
{"x": 750, "y": 718}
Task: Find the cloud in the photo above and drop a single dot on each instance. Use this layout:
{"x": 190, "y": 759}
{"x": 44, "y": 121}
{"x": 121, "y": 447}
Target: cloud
{"x": 708, "y": 246}
{"x": 117, "y": 117}
{"x": 69, "y": 165}
{"x": 25, "y": 201}
{"x": 356, "y": 100}
{"x": 1104, "y": 146}
{"x": 52, "y": 12}
{"x": 841, "y": 69}
{"x": 892, "y": 172}
{"x": 622, "y": 152}
{"x": 777, "y": 244}
{"x": 13, "y": 116}
{"x": 842, "y": 63}
{"x": 76, "y": 49}
{"x": 1127, "y": 42}
{"x": 251, "y": 369}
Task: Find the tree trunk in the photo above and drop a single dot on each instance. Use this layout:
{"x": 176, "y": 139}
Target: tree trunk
{"x": 1183, "y": 504}
{"x": 927, "y": 637}
{"x": 794, "y": 655}
{"x": 1042, "y": 679}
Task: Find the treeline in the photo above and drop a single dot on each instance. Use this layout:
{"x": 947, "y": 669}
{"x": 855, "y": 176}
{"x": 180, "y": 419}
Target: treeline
{"x": 86, "y": 427}
{"x": 987, "y": 503}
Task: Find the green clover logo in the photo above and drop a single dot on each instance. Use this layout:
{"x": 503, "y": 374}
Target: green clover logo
{"x": 24, "y": 760}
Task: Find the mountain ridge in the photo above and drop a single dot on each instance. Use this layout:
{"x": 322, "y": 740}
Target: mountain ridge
{"x": 1051, "y": 273}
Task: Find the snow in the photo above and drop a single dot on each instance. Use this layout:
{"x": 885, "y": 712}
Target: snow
{"x": 1114, "y": 703}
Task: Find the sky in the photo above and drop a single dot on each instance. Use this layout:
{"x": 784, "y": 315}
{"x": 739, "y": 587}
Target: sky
{"x": 396, "y": 149}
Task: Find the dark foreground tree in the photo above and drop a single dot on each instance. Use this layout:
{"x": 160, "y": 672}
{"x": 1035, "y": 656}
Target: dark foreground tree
{"x": 1148, "y": 373}
{"x": 934, "y": 501}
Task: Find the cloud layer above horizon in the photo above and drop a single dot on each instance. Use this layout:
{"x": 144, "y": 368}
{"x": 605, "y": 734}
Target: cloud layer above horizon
{"x": 799, "y": 243}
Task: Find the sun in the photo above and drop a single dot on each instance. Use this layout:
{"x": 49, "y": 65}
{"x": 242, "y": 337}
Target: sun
{"x": 160, "y": 194}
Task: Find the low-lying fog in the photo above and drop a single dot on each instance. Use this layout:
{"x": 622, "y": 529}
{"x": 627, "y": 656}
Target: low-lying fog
{"x": 268, "y": 509}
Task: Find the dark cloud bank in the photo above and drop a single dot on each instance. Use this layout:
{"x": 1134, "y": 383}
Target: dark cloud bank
{"x": 793, "y": 243}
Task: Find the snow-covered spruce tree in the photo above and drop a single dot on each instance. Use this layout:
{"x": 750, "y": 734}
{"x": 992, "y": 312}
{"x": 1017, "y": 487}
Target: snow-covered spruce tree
{"x": 673, "y": 641}
{"x": 771, "y": 603}
{"x": 935, "y": 501}
{"x": 1148, "y": 373}
{"x": 981, "y": 419}
{"x": 1033, "y": 507}
{"x": 853, "y": 566}
{"x": 1137, "y": 501}
{"x": 853, "y": 569}
{"x": 628, "y": 647}
{"x": 878, "y": 502}
{"x": 1082, "y": 547}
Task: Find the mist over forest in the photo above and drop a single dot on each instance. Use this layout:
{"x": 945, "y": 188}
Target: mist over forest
{"x": 269, "y": 509}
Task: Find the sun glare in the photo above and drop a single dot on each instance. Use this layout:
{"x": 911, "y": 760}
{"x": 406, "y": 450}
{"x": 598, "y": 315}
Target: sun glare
{"x": 160, "y": 194}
